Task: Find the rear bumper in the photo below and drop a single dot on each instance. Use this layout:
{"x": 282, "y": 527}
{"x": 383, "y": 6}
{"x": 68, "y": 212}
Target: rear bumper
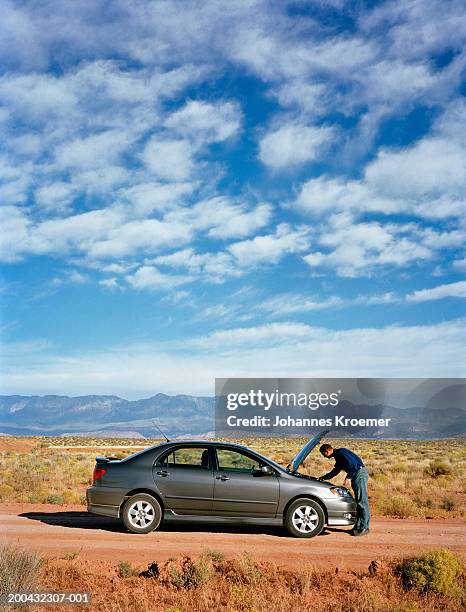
{"x": 113, "y": 511}
{"x": 95, "y": 505}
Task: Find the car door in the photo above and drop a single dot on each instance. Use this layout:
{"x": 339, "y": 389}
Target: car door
{"x": 184, "y": 476}
{"x": 240, "y": 488}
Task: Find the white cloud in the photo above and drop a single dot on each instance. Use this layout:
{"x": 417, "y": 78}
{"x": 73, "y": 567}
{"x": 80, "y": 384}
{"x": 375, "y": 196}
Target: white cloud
{"x": 433, "y": 166}
{"x": 147, "y": 235}
{"x": 149, "y": 277}
{"x": 146, "y": 198}
{"x": 358, "y": 248}
{"x": 38, "y": 97}
{"x": 384, "y": 298}
{"x": 307, "y": 97}
{"x": 271, "y": 247}
{"x": 14, "y": 234}
{"x": 457, "y": 290}
{"x": 109, "y": 283}
{"x": 217, "y": 312}
{"x": 115, "y": 268}
{"x": 206, "y": 122}
{"x": 93, "y": 151}
{"x": 413, "y": 30}
{"x": 396, "y": 80}
{"x": 100, "y": 181}
{"x": 292, "y": 145}
{"x": 270, "y": 334}
{"x": 427, "y": 179}
{"x": 77, "y": 231}
{"x": 98, "y": 234}
{"x": 55, "y": 197}
{"x": 73, "y": 277}
{"x": 277, "y": 350}
{"x": 222, "y": 218}
{"x": 210, "y": 266}
{"x": 322, "y": 195}
{"x": 288, "y": 303}
{"x": 170, "y": 160}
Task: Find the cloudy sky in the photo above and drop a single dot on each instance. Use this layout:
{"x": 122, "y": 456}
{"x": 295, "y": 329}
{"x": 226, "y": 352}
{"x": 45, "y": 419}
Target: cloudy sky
{"x": 249, "y": 188}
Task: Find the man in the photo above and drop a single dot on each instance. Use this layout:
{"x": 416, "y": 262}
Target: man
{"x": 350, "y": 463}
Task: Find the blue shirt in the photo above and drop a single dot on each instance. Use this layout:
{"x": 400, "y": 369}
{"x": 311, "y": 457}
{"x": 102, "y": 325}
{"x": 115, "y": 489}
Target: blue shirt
{"x": 345, "y": 460}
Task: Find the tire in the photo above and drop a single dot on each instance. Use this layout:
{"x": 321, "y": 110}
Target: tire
{"x": 141, "y": 513}
{"x": 304, "y": 518}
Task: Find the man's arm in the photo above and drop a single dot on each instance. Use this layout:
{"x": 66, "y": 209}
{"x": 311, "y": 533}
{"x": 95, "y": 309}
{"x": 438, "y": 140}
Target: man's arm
{"x": 336, "y": 470}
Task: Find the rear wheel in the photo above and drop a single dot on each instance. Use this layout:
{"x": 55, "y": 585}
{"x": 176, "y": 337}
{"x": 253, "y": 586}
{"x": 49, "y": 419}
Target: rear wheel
{"x": 141, "y": 513}
{"x": 304, "y": 518}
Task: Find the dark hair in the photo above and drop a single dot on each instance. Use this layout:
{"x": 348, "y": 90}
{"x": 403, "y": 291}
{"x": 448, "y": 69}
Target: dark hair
{"x": 325, "y": 447}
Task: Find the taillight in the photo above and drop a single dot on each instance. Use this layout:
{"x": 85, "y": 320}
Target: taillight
{"x": 98, "y": 473}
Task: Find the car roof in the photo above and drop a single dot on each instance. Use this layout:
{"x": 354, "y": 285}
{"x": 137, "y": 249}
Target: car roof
{"x": 203, "y": 442}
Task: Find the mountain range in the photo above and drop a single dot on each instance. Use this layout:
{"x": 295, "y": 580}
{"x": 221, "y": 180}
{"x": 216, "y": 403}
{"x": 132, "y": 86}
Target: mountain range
{"x": 106, "y": 415}
{"x": 188, "y": 416}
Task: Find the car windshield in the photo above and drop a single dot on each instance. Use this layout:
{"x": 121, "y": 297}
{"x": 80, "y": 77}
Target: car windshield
{"x": 271, "y": 461}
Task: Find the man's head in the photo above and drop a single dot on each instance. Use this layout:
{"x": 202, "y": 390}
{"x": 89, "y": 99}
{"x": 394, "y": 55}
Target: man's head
{"x": 326, "y": 450}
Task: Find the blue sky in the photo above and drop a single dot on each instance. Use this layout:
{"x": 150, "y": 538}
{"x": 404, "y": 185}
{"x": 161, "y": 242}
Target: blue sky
{"x": 254, "y": 188}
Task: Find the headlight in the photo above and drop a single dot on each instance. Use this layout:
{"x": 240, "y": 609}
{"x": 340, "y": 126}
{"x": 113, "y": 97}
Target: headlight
{"x": 340, "y": 492}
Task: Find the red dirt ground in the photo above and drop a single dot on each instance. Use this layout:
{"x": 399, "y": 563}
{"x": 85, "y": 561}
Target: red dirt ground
{"x": 58, "y": 531}
{"x": 17, "y": 444}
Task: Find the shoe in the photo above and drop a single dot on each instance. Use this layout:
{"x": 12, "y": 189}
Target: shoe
{"x": 356, "y": 532}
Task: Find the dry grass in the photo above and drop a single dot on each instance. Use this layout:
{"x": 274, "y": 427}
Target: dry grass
{"x": 424, "y": 478}
{"x": 240, "y": 584}
{"x": 19, "y": 570}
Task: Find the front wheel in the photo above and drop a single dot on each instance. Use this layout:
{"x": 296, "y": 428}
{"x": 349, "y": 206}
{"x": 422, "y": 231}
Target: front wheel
{"x": 304, "y": 518}
{"x": 141, "y": 513}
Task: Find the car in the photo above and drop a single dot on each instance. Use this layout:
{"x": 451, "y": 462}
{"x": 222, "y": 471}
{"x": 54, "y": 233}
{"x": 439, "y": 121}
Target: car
{"x": 211, "y": 481}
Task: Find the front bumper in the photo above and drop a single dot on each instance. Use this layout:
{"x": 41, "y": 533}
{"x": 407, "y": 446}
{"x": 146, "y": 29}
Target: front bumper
{"x": 341, "y": 511}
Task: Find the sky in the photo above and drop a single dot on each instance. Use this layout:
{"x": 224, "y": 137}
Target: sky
{"x": 234, "y": 189}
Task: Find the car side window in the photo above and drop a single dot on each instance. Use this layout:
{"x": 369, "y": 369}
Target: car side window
{"x": 234, "y": 461}
{"x": 193, "y": 457}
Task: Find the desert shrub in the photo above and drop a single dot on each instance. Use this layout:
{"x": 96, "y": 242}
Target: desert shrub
{"x": 126, "y": 570}
{"x": 71, "y": 497}
{"x": 19, "y": 569}
{"x": 252, "y": 568}
{"x": 55, "y": 498}
{"x": 399, "y": 506}
{"x": 215, "y": 555}
{"x": 448, "y": 504}
{"x": 6, "y": 491}
{"x": 437, "y": 571}
{"x": 437, "y": 468}
{"x": 189, "y": 574}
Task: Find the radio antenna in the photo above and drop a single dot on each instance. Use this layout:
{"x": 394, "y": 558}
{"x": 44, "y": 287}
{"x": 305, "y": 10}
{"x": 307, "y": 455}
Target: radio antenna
{"x": 158, "y": 429}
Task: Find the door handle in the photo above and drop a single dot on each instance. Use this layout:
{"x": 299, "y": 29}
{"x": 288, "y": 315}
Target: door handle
{"x": 222, "y": 477}
{"x": 162, "y": 473}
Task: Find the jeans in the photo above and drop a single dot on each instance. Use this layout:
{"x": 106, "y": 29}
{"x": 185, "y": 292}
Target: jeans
{"x": 359, "y": 484}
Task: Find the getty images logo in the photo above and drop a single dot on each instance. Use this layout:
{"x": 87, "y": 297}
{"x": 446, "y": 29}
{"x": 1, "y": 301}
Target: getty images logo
{"x": 262, "y": 399}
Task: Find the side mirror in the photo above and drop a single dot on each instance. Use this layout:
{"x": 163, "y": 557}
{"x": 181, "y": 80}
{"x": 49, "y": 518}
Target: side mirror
{"x": 266, "y": 470}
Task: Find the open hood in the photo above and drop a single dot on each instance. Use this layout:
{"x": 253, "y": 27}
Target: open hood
{"x": 304, "y": 452}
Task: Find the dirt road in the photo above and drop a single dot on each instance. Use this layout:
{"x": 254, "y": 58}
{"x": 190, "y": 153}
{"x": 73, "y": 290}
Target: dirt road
{"x": 66, "y": 530}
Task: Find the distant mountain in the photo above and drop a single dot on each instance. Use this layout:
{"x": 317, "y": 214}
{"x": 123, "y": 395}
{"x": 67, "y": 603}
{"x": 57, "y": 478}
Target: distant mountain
{"x": 105, "y": 415}
{"x": 190, "y": 416}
